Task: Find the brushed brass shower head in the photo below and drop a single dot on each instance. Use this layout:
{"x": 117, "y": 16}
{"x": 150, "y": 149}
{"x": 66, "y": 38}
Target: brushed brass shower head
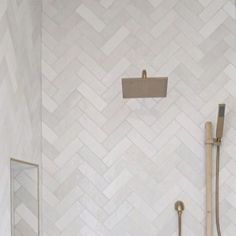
{"x": 144, "y": 87}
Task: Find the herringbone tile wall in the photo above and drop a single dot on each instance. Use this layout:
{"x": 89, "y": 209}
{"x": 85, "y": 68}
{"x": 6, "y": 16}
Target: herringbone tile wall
{"x": 25, "y": 199}
{"x": 115, "y": 167}
{"x": 20, "y": 92}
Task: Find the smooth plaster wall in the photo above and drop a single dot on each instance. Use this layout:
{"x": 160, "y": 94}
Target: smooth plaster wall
{"x": 115, "y": 167}
{"x": 20, "y": 92}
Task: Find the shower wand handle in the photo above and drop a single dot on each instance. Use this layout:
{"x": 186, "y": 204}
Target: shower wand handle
{"x": 220, "y": 123}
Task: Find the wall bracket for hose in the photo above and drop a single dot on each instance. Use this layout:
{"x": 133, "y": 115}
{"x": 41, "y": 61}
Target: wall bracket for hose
{"x": 217, "y": 141}
{"x": 214, "y": 141}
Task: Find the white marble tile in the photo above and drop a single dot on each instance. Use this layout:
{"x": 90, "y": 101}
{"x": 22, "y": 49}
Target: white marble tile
{"x": 136, "y": 157}
{"x": 115, "y": 40}
{"x": 118, "y": 183}
{"x": 91, "y": 95}
{"x": 213, "y": 24}
{"x": 90, "y": 17}
{"x": 20, "y": 106}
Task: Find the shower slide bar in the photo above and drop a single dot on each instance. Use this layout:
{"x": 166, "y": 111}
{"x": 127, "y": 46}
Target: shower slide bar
{"x": 209, "y": 143}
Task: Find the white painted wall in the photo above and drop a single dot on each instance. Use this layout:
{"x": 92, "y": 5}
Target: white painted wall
{"x": 115, "y": 167}
{"x": 20, "y": 92}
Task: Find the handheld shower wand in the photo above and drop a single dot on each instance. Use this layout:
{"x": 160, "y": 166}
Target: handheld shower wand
{"x": 209, "y": 142}
{"x": 219, "y": 135}
{"x": 220, "y": 122}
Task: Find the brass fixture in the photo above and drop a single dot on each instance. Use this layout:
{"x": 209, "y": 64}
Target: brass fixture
{"x": 144, "y": 87}
{"x": 219, "y": 135}
{"x": 144, "y": 74}
{"x": 179, "y": 207}
{"x": 220, "y": 123}
{"x": 209, "y": 146}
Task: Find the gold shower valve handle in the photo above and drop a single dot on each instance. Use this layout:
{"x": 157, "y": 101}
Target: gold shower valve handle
{"x": 179, "y": 207}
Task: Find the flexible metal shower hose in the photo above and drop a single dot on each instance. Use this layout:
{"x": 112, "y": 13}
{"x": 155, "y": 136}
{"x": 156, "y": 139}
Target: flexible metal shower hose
{"x": 217, "y": 201}
{"x": 180, "y": 224}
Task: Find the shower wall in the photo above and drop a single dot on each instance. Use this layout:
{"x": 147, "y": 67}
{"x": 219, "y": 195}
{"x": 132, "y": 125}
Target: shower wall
{"x": 20, "y": 92}
{"x": 114, "y": 167}
{"x": 25, "y": 210}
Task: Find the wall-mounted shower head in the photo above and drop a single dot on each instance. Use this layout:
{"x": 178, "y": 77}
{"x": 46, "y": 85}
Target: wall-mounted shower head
{"x": 144, "y": 87}
{"x": 220, "y": 122}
